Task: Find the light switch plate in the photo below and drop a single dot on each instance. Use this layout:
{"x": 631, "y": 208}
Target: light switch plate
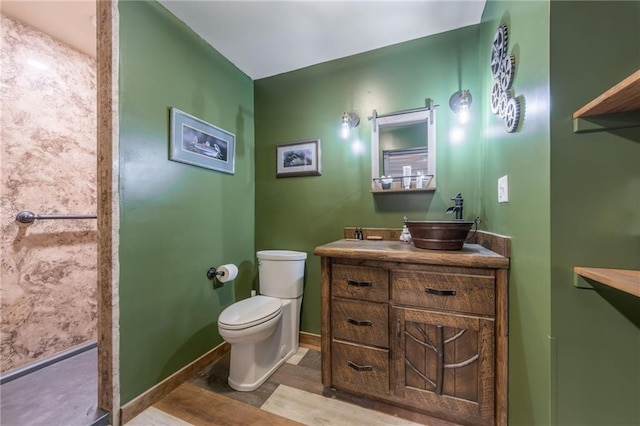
{"x": 503, "y": 189}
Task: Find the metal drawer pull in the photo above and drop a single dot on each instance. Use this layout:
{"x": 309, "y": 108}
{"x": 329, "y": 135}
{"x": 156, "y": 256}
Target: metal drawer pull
{"x": 440, "y": 292}
{"x": 359, "y": 367}
{"x": 356, "y": 322}
{"x": 359, "y": 283}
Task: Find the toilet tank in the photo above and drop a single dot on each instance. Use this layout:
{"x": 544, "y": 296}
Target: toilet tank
{"x": 281, "y": 273}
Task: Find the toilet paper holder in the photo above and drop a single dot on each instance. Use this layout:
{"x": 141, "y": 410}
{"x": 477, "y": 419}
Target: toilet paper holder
{"x": 213, "y": 272}
{"x": 223, "y": 273}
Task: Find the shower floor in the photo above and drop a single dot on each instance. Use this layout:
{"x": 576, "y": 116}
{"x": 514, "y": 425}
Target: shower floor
{"x": 64, "y": 393}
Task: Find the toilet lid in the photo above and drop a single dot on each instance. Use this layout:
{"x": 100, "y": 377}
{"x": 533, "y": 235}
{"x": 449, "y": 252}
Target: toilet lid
{"x": 249, "y": 312}
{"x": 281, "y": 255}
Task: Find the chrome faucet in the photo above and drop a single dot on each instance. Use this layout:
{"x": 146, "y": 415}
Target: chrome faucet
{"x": 457, "y": 208}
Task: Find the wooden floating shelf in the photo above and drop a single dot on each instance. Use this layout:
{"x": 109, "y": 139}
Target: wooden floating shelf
{"x": 398, "y": 191}
{"x": 623, "y": 97}
{"x": 617, "y": 108}
{"x": 622, "y": 279}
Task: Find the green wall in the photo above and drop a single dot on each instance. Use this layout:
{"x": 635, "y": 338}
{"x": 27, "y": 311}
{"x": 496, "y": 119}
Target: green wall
{"x": 595, "y": 217}
{"x": 574, "y": 354}
{"x": 304, "y": 212}
{"x": 524, "y": 157}
{"x": 177, "y": 220}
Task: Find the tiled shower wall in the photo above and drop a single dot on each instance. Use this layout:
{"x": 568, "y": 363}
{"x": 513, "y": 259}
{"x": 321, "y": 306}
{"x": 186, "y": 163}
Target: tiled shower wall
{"x": 48, "y": 162}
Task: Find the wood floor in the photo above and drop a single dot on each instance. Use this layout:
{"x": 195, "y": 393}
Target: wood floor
{"x": 293, "y": 395}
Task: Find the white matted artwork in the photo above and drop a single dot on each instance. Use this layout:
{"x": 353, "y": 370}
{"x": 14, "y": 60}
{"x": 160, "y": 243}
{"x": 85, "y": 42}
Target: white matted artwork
{"x": 299, "y": 159}
{"x": 196, "y": 142}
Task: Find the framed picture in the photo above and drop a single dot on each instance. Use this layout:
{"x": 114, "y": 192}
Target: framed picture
{"x": 196, "y": 142}
{"x": 299, "y": 159}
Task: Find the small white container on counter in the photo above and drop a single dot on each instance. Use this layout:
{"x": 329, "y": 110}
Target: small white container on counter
{"x": 406, "y": 180}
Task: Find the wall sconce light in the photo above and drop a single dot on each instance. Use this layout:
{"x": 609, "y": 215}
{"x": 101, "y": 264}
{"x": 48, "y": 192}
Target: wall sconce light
{"x": 350, "y": 120}
{"x": 460, "y": 102}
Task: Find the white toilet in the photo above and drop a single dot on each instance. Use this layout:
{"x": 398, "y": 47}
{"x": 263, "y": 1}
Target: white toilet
{"x": 263, "y": 330}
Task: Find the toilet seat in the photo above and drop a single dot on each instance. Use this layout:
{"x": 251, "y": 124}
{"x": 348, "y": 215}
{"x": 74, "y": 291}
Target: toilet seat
{"x": 249, "y": 312}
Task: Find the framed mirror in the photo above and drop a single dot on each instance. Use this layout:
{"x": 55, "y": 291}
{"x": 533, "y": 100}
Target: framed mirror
{"x": 403, "y": 150}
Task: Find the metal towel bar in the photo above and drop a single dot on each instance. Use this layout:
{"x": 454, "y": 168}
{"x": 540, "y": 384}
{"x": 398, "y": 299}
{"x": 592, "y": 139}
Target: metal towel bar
{"x": 28, "y": 217}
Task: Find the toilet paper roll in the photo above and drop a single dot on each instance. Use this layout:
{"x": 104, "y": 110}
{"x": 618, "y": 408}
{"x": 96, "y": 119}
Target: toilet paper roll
{"x": 227, "y": 272}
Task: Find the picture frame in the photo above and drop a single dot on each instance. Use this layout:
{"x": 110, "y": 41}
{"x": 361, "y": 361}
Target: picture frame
{"x": 198, "y": 143}
{"x": 303, "y": 158}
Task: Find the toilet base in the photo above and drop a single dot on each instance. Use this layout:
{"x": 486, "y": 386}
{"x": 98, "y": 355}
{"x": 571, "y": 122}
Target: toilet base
{"x": 252, "y": 364}
{"x": 247, "y": 381}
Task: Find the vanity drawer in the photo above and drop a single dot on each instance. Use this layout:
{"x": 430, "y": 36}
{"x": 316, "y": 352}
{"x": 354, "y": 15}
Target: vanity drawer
{"x": 360, "y": 322}
{"x": 473, "y": 294}
{"x": 358, "y": 282}
{"x": 359, "y": 368}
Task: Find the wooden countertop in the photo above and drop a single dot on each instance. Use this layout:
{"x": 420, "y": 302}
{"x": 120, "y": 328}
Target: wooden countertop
{"x": 472, "y": 255}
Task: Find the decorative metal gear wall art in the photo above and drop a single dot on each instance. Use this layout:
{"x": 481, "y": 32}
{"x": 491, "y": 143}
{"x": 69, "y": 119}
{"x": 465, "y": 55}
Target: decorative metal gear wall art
{"x": 500, "y": 44}
{"x": 507, "y": 70}
{"x": 503, "y": 69}
{"x": 495, "y": 97}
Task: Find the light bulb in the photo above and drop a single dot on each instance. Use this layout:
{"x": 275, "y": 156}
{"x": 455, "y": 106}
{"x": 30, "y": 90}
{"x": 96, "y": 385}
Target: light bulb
{"x": 463, "y": 113}
{"x": 350, "y": 120}
{"x": 459, "y": 103}
{"x": 344, "y": 131}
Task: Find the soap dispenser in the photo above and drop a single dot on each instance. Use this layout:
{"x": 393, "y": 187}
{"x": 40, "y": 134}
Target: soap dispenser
{"x": 405, "y": 236}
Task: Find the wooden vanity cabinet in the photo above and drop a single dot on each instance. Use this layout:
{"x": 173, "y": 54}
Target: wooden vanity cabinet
{"x": 424, "y": 336}
{"x": 360, "y": 328}
{"x": 443, "y": 353}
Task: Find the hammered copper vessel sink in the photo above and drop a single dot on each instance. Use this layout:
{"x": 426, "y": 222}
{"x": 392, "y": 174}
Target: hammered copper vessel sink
{"x": 439, "y": 235}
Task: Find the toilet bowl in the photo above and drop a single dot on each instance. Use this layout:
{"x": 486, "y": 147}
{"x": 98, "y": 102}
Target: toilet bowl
{"x": 250, "y": 320}
{"x": 263, "y": 330}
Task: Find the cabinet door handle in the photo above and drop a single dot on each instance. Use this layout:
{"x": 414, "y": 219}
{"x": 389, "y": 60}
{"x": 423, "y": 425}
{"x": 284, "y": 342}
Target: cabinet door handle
{"x": 440, "y": 292}
{"x": 359, "y": 367}
{"x": 359, "y": 283}
{"x": 356, "y": 322}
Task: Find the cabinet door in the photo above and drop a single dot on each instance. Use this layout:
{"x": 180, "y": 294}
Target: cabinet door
{"x": 444, "y": 364}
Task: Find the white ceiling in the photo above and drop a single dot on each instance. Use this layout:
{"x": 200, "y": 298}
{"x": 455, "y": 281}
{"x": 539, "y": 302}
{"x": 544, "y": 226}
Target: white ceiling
{"x": 266, "y": 37}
